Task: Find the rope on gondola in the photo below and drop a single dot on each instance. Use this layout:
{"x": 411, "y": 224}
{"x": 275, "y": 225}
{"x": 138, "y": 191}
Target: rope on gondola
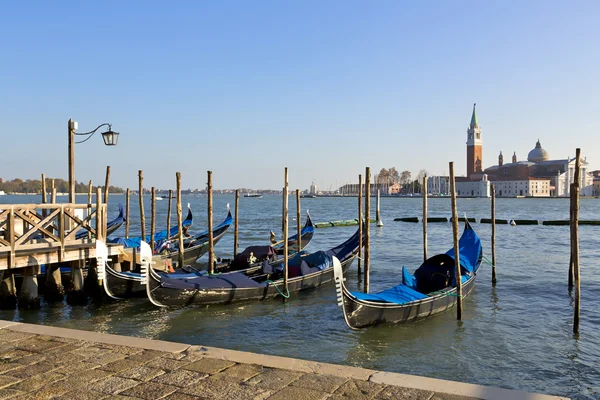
{"x": 280, "y": 292}
{"x": 488, "y": 261}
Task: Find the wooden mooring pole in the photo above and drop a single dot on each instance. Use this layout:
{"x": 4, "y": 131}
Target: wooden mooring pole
{"x": 424, "y": 191}
{"x": 169, "y": 214}
{"x": 44, "y": 198}
{"x": 153, "y": 221}
{"x": 285, "y": 234}
{"x": 127, "y": 216}
{"x": 106, "y": 186}
{"x": 457, "y": 273}
{"x": 367, "y": 232}
{"x": 236, "y": 227}
{"x": 89, "y": 204}
{"x": 179, "y": 220}
{"x": 141, "y": 194}
{"x": 211, "y": 247}
{"x": 493, "y": 235}
{"x": 298, "y": 225}
{"x": 360, "y": 222}
{"x": 378, "y": 210}
{"x": 575, "y": 241}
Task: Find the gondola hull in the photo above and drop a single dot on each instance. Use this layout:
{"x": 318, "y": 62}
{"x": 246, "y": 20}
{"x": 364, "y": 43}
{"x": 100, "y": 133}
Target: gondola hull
{"x": 176, "y": 298}
{"x": 361, "y": 314}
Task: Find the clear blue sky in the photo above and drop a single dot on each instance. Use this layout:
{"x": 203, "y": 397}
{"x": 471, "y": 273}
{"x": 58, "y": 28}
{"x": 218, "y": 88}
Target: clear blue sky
{"x": 245, "y": 88}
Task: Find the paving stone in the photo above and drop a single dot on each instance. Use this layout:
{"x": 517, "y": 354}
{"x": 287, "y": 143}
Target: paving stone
{"x": 323, "y": 383}
{"x": 90, "y": 351}
{"x": 32, "y": 358}
{"x": 442, "y": 396}
{"x": 37, "y": 345}
{"x": 274, "y": 379}
{"x": 115, "y": 348}
{"x": 5, "y": 367}
{"x": 37, "y": 381}
{"x": 149, "y": 391}
{"x": 167, "y": 364}
{"x": 180, "y": 378}
{"x": 220, "y": 389}
{"x": 180, "y": 396}
{"x": 7, "y": 381}
{"x": 76, "y": 367}
{"x": 239, "y": 373}
{"x": 178, "y": 356}
{"x": 50, "y": 391}
{"x": 209, "y": 365}
{"x": 61, "y": 339}
{"x": 66, "y": 349}
{"x": 14, "y": 354}
{"x": 82, "y": 395}
{"x": 11, "y": 336}
{"x": 119, "y": 365}
{"x": 31, "y": 370}
{"x": 113, "y": 385}
{"x": 10, "y": 393}
{"x": 146, "y": 356}
{"x": 82, "y": 380}
{"x": 398, "y": 392}
{"x": 356, "y": 389}
{"x": 298, "y": 393}
{"x": 109, "y": 358}
{"x": 141, "y": 373}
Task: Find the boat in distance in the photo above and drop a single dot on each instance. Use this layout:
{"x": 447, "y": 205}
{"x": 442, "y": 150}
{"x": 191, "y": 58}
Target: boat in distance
{"x": 256, "y": 195}
{"x": 431, "y": 290}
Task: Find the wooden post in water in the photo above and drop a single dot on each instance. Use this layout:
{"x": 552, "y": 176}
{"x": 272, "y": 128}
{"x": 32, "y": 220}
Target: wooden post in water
{"x": 360, "y": 222}
{"x": 424, "y": 191}
{"x": 493, "y": 235}
{"x": 457, "y": 273}
{"x": 236, "y": 227}
{"x": 377, "y": 211}
{"x": 53, "y": 195}
{"x": 153, "y": 222}
{"x": 44, "y": 199}
{"x": 89, "y": 204}
{"x": 368, "y": 228}
{"x": 52, "y": 189}
{"x": 141, "y": 194}
{"x": 285, "y": 234}
{"x": 575, "y": 241}
{"x": 127, "y": 217}
{"x": 169, "y": 214}
{"x": 211, "y": 248}
{"x": 179, "y": 220}
{"x": 106, "y": 186}
{"x": 298, "y": 225}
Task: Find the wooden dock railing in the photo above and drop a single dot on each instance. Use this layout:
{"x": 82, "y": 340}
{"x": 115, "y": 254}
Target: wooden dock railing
{"x": 31, "y": 234}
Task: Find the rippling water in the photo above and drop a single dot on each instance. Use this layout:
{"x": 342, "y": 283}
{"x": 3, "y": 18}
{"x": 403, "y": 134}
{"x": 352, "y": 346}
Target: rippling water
{"x": 517, "y": 335}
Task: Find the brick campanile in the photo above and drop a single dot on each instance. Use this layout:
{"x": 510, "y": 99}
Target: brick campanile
{"x": 474, "y": 156}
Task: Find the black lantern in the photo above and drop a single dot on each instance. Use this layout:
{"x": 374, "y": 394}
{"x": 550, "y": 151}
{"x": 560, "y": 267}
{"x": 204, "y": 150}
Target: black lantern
{"x": 110, "y": 138}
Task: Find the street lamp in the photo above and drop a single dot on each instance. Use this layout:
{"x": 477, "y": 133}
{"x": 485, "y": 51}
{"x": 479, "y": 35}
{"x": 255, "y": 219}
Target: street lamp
{"x": 109, "y": 137}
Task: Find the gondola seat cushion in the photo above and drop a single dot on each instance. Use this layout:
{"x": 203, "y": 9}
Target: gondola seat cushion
{"x": 400, "y": 294}
{"x": 224, "y": 281}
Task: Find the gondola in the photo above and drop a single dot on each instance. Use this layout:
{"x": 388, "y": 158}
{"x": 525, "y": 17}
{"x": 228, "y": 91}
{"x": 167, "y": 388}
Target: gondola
{"x": 431, "y": 290}
{"x": 306, "y": 271}
{"x": 111, "y": 226}
{"x": 118, "y": 285}
{"x": 134, "y": 242}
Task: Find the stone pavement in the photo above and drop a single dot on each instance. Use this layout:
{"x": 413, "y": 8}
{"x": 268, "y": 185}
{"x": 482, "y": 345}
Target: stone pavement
{"x": 40, "y": 362}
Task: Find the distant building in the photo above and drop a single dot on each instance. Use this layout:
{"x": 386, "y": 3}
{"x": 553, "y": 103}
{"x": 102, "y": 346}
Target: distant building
{"x": 394, "y": 189}
{"x": 438, "y": 185}
{"x": 1, "y": 180}
{"x": 538, "y": 176}
{"x": 313, "y": 188}
{"x": 351, "y": 189}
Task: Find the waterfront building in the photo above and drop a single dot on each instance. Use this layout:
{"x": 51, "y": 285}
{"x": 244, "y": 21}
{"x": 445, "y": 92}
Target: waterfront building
{"x": 438, "y": 185}
{"x": 537, "y": 176}
{"x": 313, "y": 188}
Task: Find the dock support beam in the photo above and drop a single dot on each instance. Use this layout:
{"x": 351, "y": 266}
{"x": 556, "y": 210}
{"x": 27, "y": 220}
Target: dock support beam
{"x": 28, "y": 297}
{"x": 54, "y": 290}
{"x": 8, "y": 291}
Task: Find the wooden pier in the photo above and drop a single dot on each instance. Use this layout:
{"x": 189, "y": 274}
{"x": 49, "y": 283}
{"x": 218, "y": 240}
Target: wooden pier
{"x": 36, "y": 234}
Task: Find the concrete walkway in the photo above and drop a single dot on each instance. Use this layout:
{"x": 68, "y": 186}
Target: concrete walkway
{"x": 42, "y": 362}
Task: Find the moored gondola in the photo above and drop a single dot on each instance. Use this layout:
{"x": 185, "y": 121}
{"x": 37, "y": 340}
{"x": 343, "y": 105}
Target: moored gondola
{"x": 431, "y": 290}
{"x": 119, "y": 285}
{"x": 306, "y": 271}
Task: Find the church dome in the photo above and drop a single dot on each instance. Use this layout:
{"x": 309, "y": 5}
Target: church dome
{"x": 538, "y": 154}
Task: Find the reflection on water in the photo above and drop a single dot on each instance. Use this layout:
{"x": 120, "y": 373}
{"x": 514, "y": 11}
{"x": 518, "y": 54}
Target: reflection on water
{"x": 517, "y": 334}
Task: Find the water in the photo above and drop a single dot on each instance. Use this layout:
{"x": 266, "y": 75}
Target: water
{"x": 517, "y": 335}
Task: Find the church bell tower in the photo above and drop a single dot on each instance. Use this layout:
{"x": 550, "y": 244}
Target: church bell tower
{"x": 474, "y": 157}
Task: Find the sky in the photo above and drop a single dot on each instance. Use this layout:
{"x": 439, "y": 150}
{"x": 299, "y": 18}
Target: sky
{"x": 325, "y": 88}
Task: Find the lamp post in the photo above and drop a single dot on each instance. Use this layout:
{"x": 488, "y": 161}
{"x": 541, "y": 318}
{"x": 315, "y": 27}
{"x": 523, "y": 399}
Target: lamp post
{"x": 110, "y": 139}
